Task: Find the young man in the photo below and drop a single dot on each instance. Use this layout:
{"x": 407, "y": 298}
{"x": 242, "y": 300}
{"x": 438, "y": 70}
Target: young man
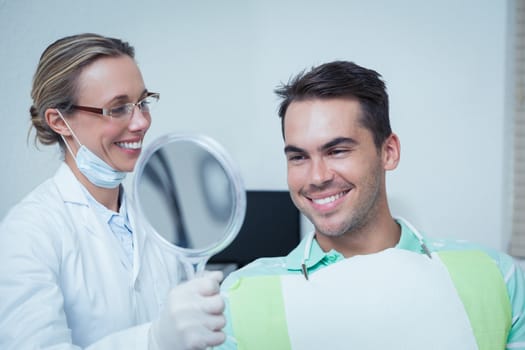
{"x": 363, "y": 279}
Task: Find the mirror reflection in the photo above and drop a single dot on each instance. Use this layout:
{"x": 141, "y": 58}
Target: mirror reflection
{"x": 186, "y": 195}
{"x": 190, "y": 195}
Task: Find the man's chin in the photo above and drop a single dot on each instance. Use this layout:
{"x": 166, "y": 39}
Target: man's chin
{"x": 332, "y": 232}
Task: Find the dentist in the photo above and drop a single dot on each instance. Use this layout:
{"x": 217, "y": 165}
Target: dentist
{"x": 74, "y": 270}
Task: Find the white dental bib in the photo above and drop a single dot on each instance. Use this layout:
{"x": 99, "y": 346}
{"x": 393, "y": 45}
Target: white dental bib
{"x": 395, "y": 299}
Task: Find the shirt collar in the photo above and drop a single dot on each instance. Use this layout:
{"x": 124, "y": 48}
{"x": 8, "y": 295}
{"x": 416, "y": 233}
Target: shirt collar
{"x": 106, "y": 213}
{"x": 407, "y": 241}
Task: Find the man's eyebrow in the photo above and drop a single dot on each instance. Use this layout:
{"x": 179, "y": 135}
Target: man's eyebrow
{"x": 291, "y": 148}
{"x": 338, "y": 141}
{"x": 332, "y": 143}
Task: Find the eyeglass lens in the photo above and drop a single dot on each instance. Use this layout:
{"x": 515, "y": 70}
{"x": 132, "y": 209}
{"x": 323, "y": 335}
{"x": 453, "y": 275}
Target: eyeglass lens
{"x": 126, "y": 110}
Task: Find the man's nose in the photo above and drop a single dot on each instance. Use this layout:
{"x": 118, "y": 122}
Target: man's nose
{"x": 320, "y": 172}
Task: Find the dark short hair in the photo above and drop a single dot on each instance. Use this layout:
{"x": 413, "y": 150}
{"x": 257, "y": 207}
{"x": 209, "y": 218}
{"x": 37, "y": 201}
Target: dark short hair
{"x": 342, "y": 79}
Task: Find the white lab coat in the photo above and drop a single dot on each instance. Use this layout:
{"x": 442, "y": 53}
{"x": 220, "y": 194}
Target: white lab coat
{"x": 63, "y": 283}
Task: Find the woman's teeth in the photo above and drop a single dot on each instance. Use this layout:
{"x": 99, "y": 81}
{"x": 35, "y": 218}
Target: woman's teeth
{"x": 130, "y": 145}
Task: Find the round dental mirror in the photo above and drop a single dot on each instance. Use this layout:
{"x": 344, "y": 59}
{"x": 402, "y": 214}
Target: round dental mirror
{"x": 189, "y": 194}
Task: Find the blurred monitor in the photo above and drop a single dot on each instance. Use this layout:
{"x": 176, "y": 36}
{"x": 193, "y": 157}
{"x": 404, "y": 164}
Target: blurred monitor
{"x": 271, "y": 228}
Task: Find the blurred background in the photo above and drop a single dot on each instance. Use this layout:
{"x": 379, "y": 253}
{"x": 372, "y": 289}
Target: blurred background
{"x": 448, "y": 66}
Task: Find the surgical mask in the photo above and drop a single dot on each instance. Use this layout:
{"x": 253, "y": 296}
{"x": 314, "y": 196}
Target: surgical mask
{"x": 98, "y": 172}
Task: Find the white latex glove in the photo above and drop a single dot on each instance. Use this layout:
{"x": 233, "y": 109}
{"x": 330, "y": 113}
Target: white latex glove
{"x": 192, "y": 317}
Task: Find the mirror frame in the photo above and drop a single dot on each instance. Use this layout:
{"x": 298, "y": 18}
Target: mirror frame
{"x": 194, "y": 255}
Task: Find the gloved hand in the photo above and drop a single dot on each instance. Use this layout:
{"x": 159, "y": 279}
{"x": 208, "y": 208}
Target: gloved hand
{"x": 192, "y": 317}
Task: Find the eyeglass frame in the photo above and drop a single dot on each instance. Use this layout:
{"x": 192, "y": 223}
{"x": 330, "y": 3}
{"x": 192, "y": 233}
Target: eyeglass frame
{"x": 107, "y": 112}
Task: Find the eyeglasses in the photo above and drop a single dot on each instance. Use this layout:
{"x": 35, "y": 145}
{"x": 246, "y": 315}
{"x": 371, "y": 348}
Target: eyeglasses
{"x": 126, "y": 110}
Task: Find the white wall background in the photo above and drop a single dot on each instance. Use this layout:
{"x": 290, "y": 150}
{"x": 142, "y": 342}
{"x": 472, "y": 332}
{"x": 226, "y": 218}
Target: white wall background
{"x": 216, "y": 64}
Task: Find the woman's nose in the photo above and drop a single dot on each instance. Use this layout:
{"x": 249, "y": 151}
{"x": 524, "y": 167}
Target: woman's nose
{"x": 139, "y": 120}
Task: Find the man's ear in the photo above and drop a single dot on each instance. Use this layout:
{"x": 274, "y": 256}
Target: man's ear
{"x": 391, "y": 152}
{"x": 55, "y": 122}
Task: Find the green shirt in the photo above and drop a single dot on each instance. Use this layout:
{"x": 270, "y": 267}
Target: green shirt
{"x": 470, "y": 266}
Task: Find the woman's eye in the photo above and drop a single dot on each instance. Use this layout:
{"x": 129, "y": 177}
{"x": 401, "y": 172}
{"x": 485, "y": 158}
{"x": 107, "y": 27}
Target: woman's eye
{"x": 119, "y": 111}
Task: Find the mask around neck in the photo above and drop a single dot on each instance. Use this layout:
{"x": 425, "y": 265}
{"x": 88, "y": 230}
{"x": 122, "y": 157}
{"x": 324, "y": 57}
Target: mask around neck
{"x": 98, "y": 172}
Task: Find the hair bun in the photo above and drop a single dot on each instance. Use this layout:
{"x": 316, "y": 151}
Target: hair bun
{"x": 33, "y": 111}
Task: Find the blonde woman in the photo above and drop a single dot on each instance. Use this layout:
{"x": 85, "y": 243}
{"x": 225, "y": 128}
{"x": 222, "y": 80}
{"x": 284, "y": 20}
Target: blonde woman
{"x": 74, "y": 271}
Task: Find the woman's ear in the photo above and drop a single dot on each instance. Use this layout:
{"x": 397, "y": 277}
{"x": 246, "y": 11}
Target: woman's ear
{"x": 55, "y": 122}
{"x": 391, "y": 152}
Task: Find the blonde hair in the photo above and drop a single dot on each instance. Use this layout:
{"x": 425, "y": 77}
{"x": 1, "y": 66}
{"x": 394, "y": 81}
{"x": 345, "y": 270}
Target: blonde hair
{"x": 55, "y": 79}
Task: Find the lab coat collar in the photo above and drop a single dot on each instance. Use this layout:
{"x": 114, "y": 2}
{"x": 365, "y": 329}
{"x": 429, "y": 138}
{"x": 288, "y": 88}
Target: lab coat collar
{"x": 69, "y": 187}
{"x": 71, "y": 191}
{"x": 408, "y": 241}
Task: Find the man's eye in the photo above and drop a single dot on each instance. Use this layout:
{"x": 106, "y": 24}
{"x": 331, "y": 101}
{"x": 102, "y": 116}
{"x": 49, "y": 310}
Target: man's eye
{"x": 295, "y": 157}
{"x": 338, "y": 152}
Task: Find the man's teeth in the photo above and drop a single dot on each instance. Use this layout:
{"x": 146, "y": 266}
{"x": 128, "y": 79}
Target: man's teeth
{"x": 328, "y": 199}
{"x": 130, "y": 145}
